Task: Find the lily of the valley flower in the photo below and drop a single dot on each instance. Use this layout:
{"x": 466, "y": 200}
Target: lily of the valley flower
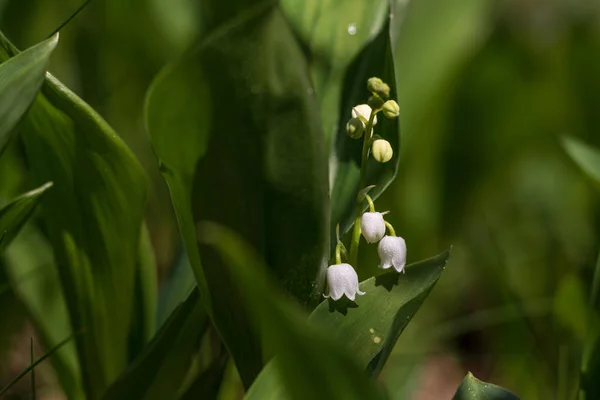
{"x": 392, "y": 252}
{"x": 342, "y": 280}
{"x": 363, "y": 112}
{"x": 372, "y": 226}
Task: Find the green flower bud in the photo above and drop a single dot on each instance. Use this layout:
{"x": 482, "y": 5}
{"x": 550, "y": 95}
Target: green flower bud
{"x": 382, "y": 150}
{"x": 355, "y": 128}
{"x": 375, "y": 102}
{"x": 378, "y": 87}
{"x": 391, "y": 109}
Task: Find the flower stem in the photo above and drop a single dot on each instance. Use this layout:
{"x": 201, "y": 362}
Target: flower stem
{"x": 390, "y": 228}
{"x": 338, "y": 253}
{"x": 363, "y": 178}
{"x": 370, "y": 201}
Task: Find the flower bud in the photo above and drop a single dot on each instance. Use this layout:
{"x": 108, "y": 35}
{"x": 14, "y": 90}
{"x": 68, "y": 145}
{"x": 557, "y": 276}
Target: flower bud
{"x": 375, "y": 102}
{"x": 342, "y": 280}
{"x": 355, "y": 128}
{"x": 379, "y": 87}
{"x": 363, "y": 112}
{"x": 382, "y": 150}
{"x": 391, "y": 109}
{"x": 372, "y": 226}
{"x": 392, "y": 253}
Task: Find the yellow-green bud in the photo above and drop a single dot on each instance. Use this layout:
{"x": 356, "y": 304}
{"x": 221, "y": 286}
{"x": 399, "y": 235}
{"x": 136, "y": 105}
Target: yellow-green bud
{"x": 355, "y": 128}
{"x": 375, "y": 102}
{"x": 391, "y": 109}
{"x": 379, "y": 87}
{"x": 382, "y": 150}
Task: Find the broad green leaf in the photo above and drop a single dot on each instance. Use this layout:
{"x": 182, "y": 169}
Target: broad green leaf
{"x": 335, "y": 33}
{"x": 586, "y": 157}
{"x": 311, "y": 363}
{"x": 159, "y": 371}
{"x": 16, "y": 213}
{"x": 237, "y": 133}
{"x": 20, "y": 80}
{"x": 375, "y": 60}
{"x": 93, "y": 217}
{"x": 472, "y": 388}
{"x": 371, "y": 325}
{"x": 34, "y": 279}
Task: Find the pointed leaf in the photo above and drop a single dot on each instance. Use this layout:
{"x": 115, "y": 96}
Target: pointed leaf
{"x": 371, "y": 325}
{"x": 15, "y": 214}
{"x": 159, "y": 371}
{"x": 93, "y": 216}
{"x": 311, "y": 363}
{"x": 20, "y": 81}
{"x": 472, "y": 388}
{"x": 585, "y": 156}
{"x": 236, "y": 120}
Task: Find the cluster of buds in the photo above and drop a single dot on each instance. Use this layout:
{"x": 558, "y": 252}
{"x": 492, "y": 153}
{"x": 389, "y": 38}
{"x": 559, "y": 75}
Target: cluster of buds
{"x": 364, "y": 118}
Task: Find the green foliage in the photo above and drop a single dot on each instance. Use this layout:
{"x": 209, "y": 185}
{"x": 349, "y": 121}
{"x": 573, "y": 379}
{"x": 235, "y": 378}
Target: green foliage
{"x": 160, "y": 370}
{"x": 311, "y": 363}
{"x": 15, "y": 214}
{"x": 93, "y": 216}
{"x": 20, "y": 80}
{"x": 370, "y": 326}
{"x": 235, "y": 119}
{"x": 472, "y": 388}
{"x": 586, "y": 157}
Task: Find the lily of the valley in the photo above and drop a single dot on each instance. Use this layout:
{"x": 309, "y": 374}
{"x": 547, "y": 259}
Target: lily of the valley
{"x": 363, "y": 112}
{"x": 372, "y": 226}
{"x": 392, "y": 253}
{"x": 342, "y": 280}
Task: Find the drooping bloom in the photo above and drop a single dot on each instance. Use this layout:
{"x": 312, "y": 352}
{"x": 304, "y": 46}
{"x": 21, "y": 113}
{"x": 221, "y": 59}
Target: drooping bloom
{"x": 392, "y": 253}
{"x": 372, "y": 226}
{"x": 363, "y": 112}
{"x": 342, "y": 280}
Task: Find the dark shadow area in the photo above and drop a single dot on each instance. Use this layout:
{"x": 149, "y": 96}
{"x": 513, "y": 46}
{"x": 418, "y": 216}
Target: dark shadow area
{"x": 342, "y": 305}
{"x": 388, "y": 281}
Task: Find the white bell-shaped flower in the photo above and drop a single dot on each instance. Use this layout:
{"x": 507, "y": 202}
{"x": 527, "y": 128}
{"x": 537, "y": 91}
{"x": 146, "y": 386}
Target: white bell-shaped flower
{"x": 392, "y": 253}
{"x": 363, "y": 112}
{"x": 372, "y": 226}
{"x": 342, "y": 280}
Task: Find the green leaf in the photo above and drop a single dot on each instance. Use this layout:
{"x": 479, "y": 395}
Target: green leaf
{"x": 472, "y": 388}
{"x": 349, "y": 43}
{"x": 335, "y": 33}
{"x": 208, "y": 383}
{"x": 93, "y": 217}
{"x": 233, "y": 120}
{"x": 586, "y": 157}
{"x": 20, "y": 81}
{"x": 159, "y": 371}
{"x": 311, "y": 364}
{"x": 16, "y": 213}
{"x": 371, "y": 325}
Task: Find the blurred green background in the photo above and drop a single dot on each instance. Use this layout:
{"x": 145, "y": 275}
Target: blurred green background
{"x": 486, "y": 91}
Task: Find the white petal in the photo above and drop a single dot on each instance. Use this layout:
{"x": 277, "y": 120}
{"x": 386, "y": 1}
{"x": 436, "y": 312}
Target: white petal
{"x": 363, "y": 112}
{"x": 392, "y": 250}
{"x": 342, "y": 279}
{"x": 372, "y": 226}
